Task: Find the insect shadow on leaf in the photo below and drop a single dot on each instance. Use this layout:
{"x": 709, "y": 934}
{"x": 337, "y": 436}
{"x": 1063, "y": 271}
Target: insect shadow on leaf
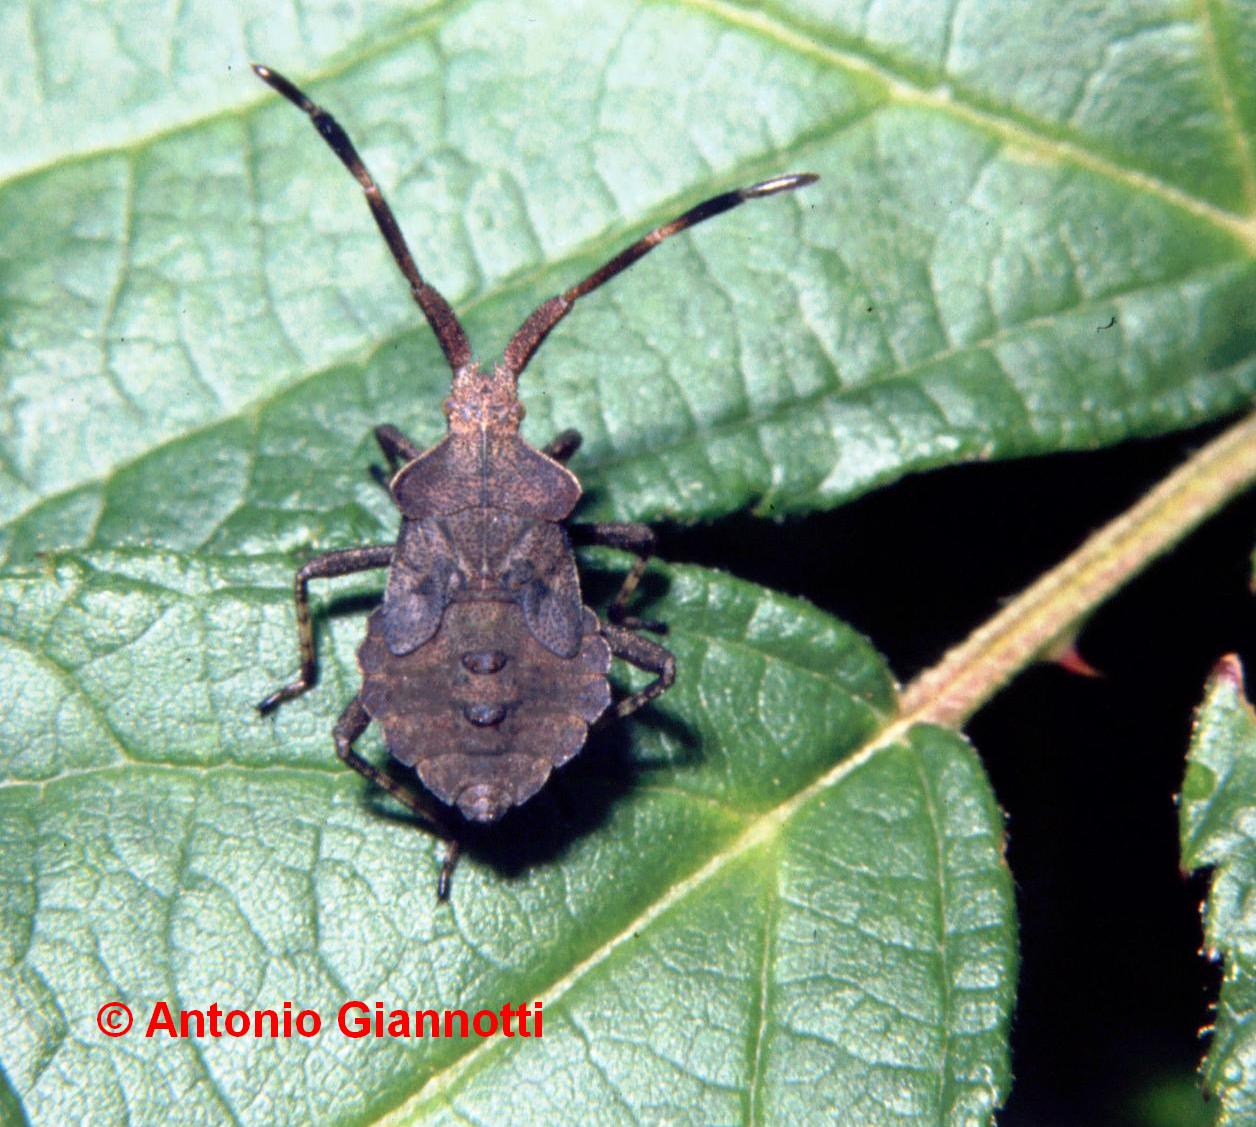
{"x": 576, "y": 802}
{"x": 483, "y": 666}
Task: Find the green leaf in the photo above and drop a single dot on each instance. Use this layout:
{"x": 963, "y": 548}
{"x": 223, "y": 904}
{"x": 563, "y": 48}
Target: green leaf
{"x": 1005, "y": 255}
{"x": 766, "y": 899}
{"x": 744, "y": 910}
{"x": 1218, "y": 814}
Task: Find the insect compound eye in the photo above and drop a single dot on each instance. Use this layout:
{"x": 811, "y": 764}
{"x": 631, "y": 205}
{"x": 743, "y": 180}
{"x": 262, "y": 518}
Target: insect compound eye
{"x": 484, "y": 661}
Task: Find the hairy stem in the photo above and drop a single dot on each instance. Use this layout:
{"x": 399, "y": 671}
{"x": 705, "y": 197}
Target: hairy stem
{"x": 972, "y": 672}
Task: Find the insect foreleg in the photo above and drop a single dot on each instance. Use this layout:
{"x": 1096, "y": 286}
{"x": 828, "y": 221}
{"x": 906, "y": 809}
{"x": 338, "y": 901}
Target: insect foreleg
{"x": 563, "y": 445}
{"x": 321, "y": 567}
{"x": 396, "y": 446}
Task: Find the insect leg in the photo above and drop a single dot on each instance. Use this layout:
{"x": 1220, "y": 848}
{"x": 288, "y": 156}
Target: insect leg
{"x": 644, "y": 654}
{"x": 453, "y": 341}
{"x": 321, "y": 567}
{"x": 631, "y": 537}
{"x": 396, "y": 446}
{"x": 352, "y": 723}
{"x": 542, "y": 319}
{"x": 563, "y": 445}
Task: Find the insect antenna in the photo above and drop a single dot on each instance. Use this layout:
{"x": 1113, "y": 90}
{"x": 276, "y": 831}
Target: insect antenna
{"x": 538, "y": 325}
{"x": 453, "y": 341}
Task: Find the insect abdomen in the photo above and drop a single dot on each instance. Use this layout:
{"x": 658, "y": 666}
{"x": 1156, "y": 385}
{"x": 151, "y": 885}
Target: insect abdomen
{"x": 483, "y": 711}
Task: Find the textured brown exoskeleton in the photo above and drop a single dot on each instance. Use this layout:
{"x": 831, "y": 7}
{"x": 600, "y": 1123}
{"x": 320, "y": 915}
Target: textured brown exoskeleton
{"x": 483, "y": 665}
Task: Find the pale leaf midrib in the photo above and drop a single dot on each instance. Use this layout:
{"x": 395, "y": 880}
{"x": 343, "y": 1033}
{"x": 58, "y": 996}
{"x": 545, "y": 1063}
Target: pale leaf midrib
{"x": 900, "y": 85}
{"x": 1015, "y": 129}
{"x": 941, "y": 885}
{"x": 759, "y": 831}
{"x": 760, "y": 1020}
{"x": 1229, "y": 109}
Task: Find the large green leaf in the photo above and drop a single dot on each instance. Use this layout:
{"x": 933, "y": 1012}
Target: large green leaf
{"x": 1218, "y": 825}
{"x": 739, "y": 913}
{"x": 761, "y": 901}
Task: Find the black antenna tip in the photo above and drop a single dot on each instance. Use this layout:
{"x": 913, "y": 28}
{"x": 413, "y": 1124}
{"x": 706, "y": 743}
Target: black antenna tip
{"x": 284, "y": 86}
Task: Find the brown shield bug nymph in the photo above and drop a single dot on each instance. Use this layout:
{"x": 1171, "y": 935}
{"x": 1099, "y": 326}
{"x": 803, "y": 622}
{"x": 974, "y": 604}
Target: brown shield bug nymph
{"x": 483, "y": 666}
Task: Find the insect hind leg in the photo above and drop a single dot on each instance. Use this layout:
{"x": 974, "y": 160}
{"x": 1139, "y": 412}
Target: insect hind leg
{"x": 352, "y": 723}
{"x": 644, "y": 654}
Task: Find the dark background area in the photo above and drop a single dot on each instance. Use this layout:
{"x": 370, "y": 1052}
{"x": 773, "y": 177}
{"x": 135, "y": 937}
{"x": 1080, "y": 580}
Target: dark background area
{"x": 1113, "y": 991}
